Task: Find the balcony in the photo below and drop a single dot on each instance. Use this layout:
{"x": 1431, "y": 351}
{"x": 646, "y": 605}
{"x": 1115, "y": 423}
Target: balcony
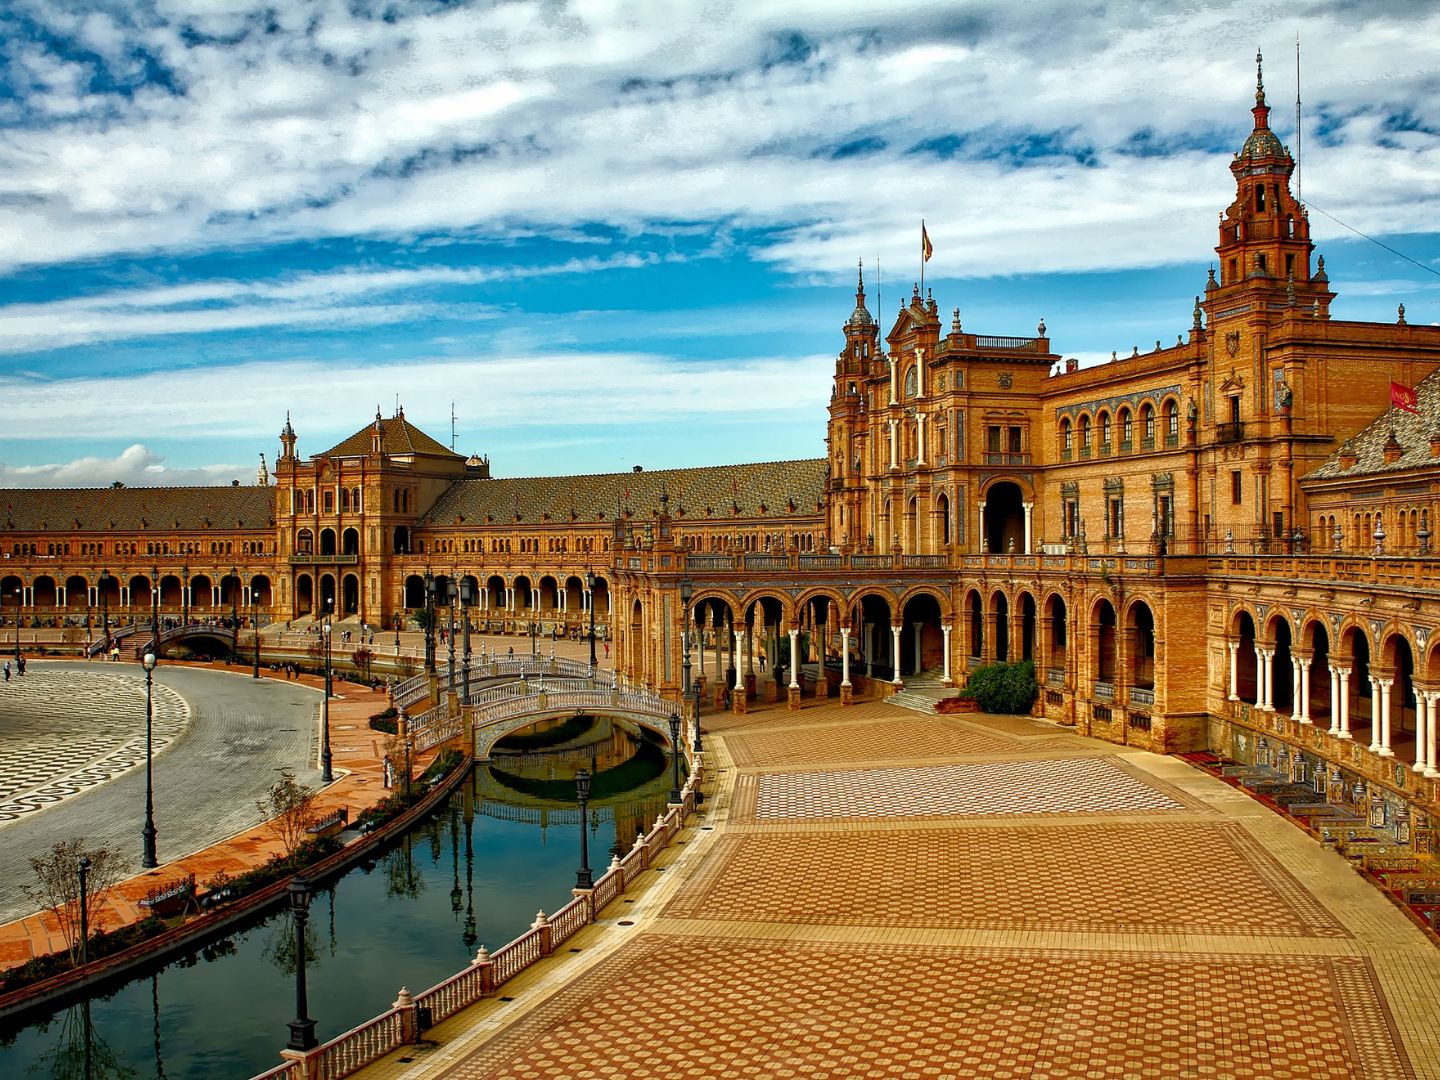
{"x": 995, "y": 457}
{"x": 309, "y": 558}
{"x": 1230, "y": 433}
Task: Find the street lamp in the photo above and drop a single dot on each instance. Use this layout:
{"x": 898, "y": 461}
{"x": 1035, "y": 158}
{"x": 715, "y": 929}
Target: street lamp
{"x": 302, "y": 1028}
{"x": 325, "y": 772}
{"x": 105, "y": 580}
{"x": 675, "y": 757}
{"x": 234, "y": 610}
{"x": 590, "y": 584}
{"x": 255, "y": 626}
{"x": 84, "y": 909}
{"x": 155, "y": 611}
{"x": 19, "y": 601}
{"x": 429, "y": 623}
{"x": 452, "y": 593}
{"x": 583, "y": 879}
{"x": 148, "y": 860}
{"x": 184, "y": 595}
{"x": 691, "y": 691}
{"x": 467, "y": 597}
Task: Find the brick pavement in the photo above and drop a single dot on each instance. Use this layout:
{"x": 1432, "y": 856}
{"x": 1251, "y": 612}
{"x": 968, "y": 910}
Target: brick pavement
{"x": 1159, "y": 924}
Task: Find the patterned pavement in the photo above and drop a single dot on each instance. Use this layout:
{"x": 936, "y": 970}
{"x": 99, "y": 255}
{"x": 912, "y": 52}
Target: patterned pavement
{"x": 67, "y": 728}
{"x": 1039, "y": 905}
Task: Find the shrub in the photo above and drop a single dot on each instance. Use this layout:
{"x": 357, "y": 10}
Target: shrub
{"x": 384, "y": 721}
{"x": 1004, "y": 688}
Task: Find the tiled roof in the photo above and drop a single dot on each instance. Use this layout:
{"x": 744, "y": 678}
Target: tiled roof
{"x": 776, "y": 484}
{"x": 398, "y": 437}
{"x": 133, "y": 509}
{"x": 1412, "y": 431}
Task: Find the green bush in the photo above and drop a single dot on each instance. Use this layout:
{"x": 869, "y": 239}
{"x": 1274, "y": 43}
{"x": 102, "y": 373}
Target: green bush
{"x": 1003, "y": 688}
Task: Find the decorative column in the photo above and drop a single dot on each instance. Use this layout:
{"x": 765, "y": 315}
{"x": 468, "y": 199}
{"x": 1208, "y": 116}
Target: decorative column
{"x": 1385, "y": 684}
{"x": 945, "y": 679}
{"x": 1422, "y": 727}
{"x": 894, "y": 382}
{"x": 1374, "y": 714}
{"x": 1305, "y": 690}
{"x": 1295, "y": 689}
{"x": 794, "y": 688}
{"x": 919, "y": 438}
{"x": 1344, "y": 732}
{"x": 896, "y": 681}
{"x": 1028, "y": 508}
{"x": 1334, "y": 700}
{"x": 1432, "y": 700}
{"x": 847, "y": 692}
{"x": 980, "y": 532}
{"x": 738, "y": 693}
{"x": 894, "y": 443}
{"x": 1234, "y": 671}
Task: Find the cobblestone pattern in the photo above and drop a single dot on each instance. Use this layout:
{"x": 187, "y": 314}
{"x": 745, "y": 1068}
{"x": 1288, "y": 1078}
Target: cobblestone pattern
{"x": 1040, "y": 786}
{"x": 912, "y": 737}
{"x": 1166, "y": 877}
{"x": 77, "y": 728}
{"x": 687, "y": 1008}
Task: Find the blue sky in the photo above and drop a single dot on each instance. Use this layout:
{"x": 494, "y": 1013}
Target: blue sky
{"x": 613, "y": 236}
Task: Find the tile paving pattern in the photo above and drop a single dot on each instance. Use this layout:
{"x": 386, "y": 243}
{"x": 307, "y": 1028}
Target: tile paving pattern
{"x": 920, "y": 737}
{"x": 1194, "y": 878}
{"x": 1040, "y": 786}
{"x": 67, "y": 729}
{"x": 678, "y": 1007}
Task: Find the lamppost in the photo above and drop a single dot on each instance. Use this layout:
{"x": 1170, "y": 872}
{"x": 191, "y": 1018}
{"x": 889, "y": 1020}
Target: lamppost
{"x": 691, "y": 693}
{"x": 429, "y": 623}
{"x": 325, "y": 772}
{"x": 184, "y": 595}
{"x": 255, "y": 626}
{"x": 19, "y": 601}
{"x": 302, "y": 1028}
{"x": 583, "y": 879}
{"x": 590, "y": 584}
{"x": 452, "y": 593}
{"x": 234, "y": 610}
{"x": 397, "y": 633}
{"x": 148, "y": 860}
{"x": 105, "y": 580}
{"x": 328, "y": 611}
{"x": 84, "y": 909}
{"x": 155, "y": 611}
{"x": 675, "y": 757}
{"x": 467, "y": 596}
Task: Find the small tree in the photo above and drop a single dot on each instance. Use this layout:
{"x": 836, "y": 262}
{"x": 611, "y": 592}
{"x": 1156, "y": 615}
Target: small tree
{"x": 287, "y": 810}
{"x": 362, "y": 659}
{"x": 57, "y": 886}
{"x": 1004, "y": 688}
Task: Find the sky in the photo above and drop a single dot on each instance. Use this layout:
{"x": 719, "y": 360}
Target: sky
{"x": 604, "y": 235}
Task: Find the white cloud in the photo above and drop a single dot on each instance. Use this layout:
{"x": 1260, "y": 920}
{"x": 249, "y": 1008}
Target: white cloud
{"x": 546, "y": 117}
{"x": 136, "y": 466}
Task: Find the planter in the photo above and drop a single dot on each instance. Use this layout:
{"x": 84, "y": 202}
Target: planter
{"x": 957, "y": 705}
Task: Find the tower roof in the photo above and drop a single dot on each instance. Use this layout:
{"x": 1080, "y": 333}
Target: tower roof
{"x": 860, "y": 317}
{"x": 397, "y": 437}
{"x": 1262, "y": 142}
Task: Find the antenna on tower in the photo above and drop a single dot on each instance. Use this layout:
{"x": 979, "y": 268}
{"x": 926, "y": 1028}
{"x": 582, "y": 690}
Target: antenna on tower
{"x": 1299, "y": 174}
{"x": 452, "y": 427}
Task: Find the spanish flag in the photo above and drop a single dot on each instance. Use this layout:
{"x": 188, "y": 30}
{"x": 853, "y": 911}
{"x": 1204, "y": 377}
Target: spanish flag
{"x": 926, "y": 248}
{"x": 1404, "y": 397}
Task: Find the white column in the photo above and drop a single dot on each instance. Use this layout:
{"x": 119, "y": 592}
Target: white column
{"x": 1374, "y": 714}
{"x": 894, "y": 382}
{"x": 740, "y": 655}
{"x": 1295, "y": 689}
{"x": 1028, "y": 508}
{"x": 1432, "y": 699}
{"x": 920, "y": 373}
{"x": 894, "y": 443}
{"x": 794, "y": 659}
{"x": 845, "y": 656}
{"x": 895, "y": 642}
{"x": 945, "y": 657}
{"x": 1345, "y": 703}
{"x": 1305, "y": 691}
{"x": 1260, "y": 676}
{"x": 60, "y": 596}
{"x": 1422, "y": 727}
{"x": 1385, "y": 748}
{"x": 1334, "y": 700}
{"x": 980, "y": 532}
{"x": 920, "y": 439}
{"x": 1234, "y": 671}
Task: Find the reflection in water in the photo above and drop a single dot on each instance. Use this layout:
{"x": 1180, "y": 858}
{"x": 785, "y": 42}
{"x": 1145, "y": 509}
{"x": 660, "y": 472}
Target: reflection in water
{"x": 407, "y": 919}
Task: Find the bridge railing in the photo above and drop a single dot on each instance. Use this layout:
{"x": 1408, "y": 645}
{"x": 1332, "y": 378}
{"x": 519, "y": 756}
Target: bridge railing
{"x": 117, "y": 634}
{"x": 412, "y": 690}
{"x": 400, "y": 1025}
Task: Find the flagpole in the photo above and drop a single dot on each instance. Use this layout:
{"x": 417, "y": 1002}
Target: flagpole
{"x": 922, "y": 258}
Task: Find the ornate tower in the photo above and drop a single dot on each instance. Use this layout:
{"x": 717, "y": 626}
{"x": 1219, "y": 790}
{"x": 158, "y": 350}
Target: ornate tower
{"x": 847, "y": 432}
{"x": 287, "y": 440}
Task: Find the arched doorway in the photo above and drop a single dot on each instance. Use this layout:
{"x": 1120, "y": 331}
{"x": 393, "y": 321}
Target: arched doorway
{"x": 326, "y": 599}
{"x": 975, "y": 611}
{"x": 1245, "y": 662}
{"x": 1004, "y": 519}
{"x": 1321, "y": 706}
{"x": 1000, "y": 618}
{"x": 1027, "y": 626}
{"x": 350, "y": 596}
{"x": 1105, "y": 643}
{"x": 350, "y": 542}
{"x": 922, "y": 642}
{"x": 304, "y": 595}
{"x": 1059, "y": 630}
{"x": 327, "y": 541}
{"x": 414, "y": 592}
{"x": 875, "y": 637}
{"x": 1142, "y": 646}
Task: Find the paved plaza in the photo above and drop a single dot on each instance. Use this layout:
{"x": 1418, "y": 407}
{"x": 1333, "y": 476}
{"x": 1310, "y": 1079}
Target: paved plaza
{"x": 972, "y": 898}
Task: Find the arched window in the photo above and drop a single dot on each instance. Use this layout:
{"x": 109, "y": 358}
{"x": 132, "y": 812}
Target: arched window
{"x": 1084, "y": 433}
{"x": 1172, "y": 419}
{"x": 329, "y": 501}
{"x": 1104, "y": 431}
{"x": 1066, "y": 436}
{"x": 1147, "y": 424}
{"x": 1125, "y": 432}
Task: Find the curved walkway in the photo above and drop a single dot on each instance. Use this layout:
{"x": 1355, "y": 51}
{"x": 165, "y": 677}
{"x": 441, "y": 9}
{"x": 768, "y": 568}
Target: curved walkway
{"x": 874, "y": 892}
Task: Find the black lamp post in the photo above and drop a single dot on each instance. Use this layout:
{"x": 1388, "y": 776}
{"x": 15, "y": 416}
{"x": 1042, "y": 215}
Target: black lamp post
{"x": 255, "y": 626}
{"x": 590, "y": 584}
{"x": 302, "y": 1028}
{"x": 397, "y": 633}
{"x": 429, "y": 623}
{"x": 325, "y": 771}
{"x": 19, "y": 602}
{"x": 234, "y": 610}
{"x": 675, "y": 757}
{"x": 155, "y": 612}
{"x": 84, "y": 909}
{"x": 467, "y": 597}
{"x": 583, "y": 879}
{"x": 692, "y": 692}
{"x": 184, "y": 595}
{"x": 105, "y": 580}
{"x": 148, "y": 860}
{"x": 452, "y": 593}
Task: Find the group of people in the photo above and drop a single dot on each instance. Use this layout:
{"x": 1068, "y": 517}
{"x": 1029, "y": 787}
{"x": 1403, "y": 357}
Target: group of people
{"x": 19, "y": 667}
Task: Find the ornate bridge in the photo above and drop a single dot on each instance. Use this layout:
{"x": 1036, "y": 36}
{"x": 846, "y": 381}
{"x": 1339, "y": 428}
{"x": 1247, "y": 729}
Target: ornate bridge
{"x": 499, "y": 710}
{"x": 488, "y": 669}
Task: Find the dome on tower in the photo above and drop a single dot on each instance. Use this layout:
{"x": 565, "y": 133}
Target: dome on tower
{"x": 1263, "y": 143}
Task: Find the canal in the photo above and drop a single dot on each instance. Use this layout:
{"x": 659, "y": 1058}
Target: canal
{"x": 504, "y": 845}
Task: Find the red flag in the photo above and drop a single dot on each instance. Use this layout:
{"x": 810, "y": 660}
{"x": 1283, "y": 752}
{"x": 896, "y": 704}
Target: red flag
{"x": 926, "y": 248}
{"x": 1403, "y": 397}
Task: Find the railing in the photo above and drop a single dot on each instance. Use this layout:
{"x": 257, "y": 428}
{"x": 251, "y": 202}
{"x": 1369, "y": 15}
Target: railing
{"x": 709, "y": 562}
{"x": 517, "y": 956}
{"x": 1029, "y": 344}
{"x": 1228, "y": 433}
{"x": 1105, "y": 691}
{"x": 995, "y": 457}
{"x": 1140, "y": 695}
{"x": 412, "y": 690}
{"x": 358, "y": 1047}
{"x": 870, "y": 562}
{"x": 934, "y": 562}
{"x": 766, "y": 562}
{"x": 309, "y": 558}
{"x": 570, "y": 920}
{"x": 1054, "y": 676}
{"x": 821, "y": 562}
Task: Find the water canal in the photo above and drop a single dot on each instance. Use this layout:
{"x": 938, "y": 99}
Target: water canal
{"x": 504, "y": 845}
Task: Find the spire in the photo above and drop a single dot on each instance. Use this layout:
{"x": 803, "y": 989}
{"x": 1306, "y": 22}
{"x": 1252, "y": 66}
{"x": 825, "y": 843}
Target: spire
{"x": 287, "y": 439}
{"x": 860, "y": 317}
{"x": 1259, "y": 78}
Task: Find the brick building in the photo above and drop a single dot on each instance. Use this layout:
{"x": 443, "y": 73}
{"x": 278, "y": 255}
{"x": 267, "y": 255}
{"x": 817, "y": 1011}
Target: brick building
{"x": 1219, "y": 542}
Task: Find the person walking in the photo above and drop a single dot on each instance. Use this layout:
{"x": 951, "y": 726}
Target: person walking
{"x": 7, "y": 670}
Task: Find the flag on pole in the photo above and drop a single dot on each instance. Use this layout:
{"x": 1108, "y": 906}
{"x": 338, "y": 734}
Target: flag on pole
{"x": 1403, "y": 397}
{"x": 926, "y": 248}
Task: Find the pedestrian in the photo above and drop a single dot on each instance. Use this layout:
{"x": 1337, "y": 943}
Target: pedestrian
{"x": 607, "y": 650}
{"x": 7, "y": 670}
{"x": 762, "y": 661}
{"x": 20, "y": 664}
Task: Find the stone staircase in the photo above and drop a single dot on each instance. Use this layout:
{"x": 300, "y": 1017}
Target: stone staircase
{"x": 922, "y": 692}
